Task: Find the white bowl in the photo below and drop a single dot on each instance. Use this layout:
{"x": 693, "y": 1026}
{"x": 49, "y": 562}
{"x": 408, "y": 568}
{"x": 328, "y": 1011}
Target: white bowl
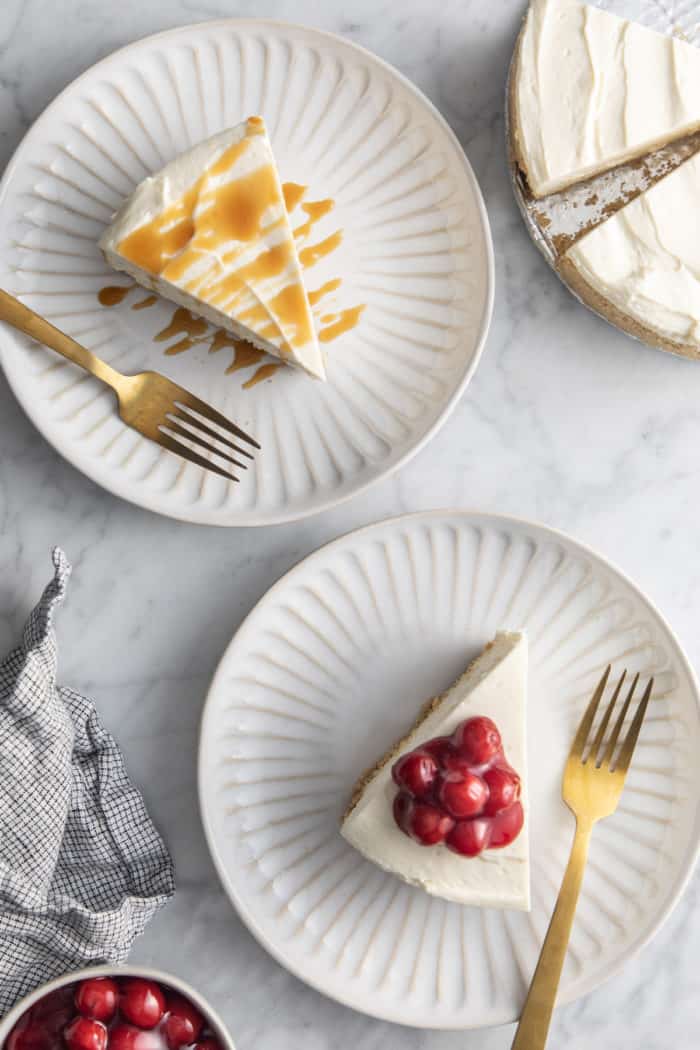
{"x": 213, "y": 1020}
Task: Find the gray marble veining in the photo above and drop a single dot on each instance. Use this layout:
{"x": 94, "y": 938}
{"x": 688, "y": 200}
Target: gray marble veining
{"x": 567, "y": 421}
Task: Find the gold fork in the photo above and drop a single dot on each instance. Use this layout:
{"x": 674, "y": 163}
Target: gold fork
{"x": 593, "y": 781}
{"x": 148, "y": 402}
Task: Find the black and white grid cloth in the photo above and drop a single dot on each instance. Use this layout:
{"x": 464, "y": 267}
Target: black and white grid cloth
{"x": 82, "y": 868}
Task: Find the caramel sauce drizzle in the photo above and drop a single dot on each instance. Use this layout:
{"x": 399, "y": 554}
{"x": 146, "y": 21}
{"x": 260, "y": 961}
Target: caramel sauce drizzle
{"x": 161, "y": 245}
{"x": 315, "y": 211}
{"x": 335, "y": 325}
{"x": 143, "y": 304}
{"x": 293, "y": 193}
{"x": 310, "y": 256}
{"x": 325, "y": 289}
{"x": 206, "y": 219}
{"x": 264, "y": 372}
{"x": 244, "y": 354}
{"x": 183, "y": 323}
{"x": 114, "y": 294}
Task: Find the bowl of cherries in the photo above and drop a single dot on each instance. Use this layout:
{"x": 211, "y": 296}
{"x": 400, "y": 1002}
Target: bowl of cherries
{"x": 108, "y": 1008}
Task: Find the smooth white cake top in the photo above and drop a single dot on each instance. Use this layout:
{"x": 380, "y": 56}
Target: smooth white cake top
{"x": 645, "y": 259}
{"x": 211, "y": 232}
{"x": 593, "y": 90}
{"x": 496, "y": 878}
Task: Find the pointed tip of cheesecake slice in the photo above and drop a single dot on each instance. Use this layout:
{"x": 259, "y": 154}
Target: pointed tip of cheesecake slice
{"x": 494, "y": 684}
{"x": 210, "y": 232}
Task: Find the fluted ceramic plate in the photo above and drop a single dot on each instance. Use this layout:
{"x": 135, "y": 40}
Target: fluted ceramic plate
{"x": 416, "y": 254}
{"x": 332, "y": 666}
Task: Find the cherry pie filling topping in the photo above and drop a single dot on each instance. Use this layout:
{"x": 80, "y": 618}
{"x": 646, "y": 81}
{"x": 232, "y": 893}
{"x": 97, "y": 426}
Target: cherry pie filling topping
{"x": 459, "y": 791}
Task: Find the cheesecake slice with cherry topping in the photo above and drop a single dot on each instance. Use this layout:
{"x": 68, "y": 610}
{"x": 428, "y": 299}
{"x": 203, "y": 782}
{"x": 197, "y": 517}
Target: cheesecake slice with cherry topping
{"x": 445, "y": 809}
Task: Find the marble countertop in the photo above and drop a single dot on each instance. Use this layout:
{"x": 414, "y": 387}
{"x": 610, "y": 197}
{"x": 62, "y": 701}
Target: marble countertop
{"x": 567, "y": 422}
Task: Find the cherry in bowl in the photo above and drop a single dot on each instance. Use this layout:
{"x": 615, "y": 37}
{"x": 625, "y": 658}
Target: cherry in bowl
{"x": 101, "y": 1010}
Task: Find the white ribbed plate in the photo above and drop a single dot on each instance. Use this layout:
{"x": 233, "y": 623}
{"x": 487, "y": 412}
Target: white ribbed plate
{"x": 334, "y": 663}
{"x": 416, "y": 251}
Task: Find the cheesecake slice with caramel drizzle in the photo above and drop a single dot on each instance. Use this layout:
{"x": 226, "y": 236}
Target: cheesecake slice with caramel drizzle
{"x": 210, "y": 232}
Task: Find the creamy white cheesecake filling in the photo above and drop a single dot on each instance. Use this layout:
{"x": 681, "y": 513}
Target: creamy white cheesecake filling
{"x": 211, "y": 232}
{"x": 592, "y": 90}
{"x": 645, "y": 259}
{"x": 494, "y": 685}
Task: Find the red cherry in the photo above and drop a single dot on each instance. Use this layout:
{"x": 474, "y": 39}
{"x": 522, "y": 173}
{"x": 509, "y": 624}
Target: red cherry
{"x": 456, "y": 763}
{"x": 83, "y": 1033}
{"x": 14, "y": 1039}
{"x": 403, "y": 807}
{"x": 57, "y": 1004}
{"x": 506, "y": 826}
{"x": 208, "y": 1044}
{"x": 469, "y": 837}
{"x": 142, "y": 1002}
{"x": 439, "y": 747}
{"x": 122, "y": 1037}
{"x": 52, "y": 1014}
{"x": 127, "y": 1037}
{"x": 428, "y": 825}
{"x": 184, "y": 1023}
{"x": 97, "y": 998}
{"x": 504, "y": 789}
{"x": 29, "y": 1035}
{"x": 477, "y": 739}
{"x": 415, "y": 772}
{"x": 463, "y": 796}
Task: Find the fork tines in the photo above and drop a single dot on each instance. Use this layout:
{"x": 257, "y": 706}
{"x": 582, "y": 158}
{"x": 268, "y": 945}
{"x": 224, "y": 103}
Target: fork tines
{"x": 185, "y": 421}
{"x": 588, "y": 750}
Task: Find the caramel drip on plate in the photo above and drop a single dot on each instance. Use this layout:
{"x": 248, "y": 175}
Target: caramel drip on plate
{"x": 186, "y": 324}
{"x": 114, "y": 294}
{"x": 310, "y": 256}
{"x": 143, "y": 304}
{"x": 292, "y": 192}
{"x": 244, "y": 354}
{"x": 315, "y": 211}
{"x": 325, "y": 289}
{"x": 264, "y": 372}
{"x": 335, "y": 325}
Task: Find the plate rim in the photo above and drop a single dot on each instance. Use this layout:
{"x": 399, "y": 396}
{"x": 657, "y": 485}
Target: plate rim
{"x": 203, "y": 516}
{"x": 692, "y": 852}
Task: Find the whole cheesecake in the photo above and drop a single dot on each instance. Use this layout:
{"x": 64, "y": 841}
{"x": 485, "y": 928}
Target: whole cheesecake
{"x": 475, "y": 851}
{"x": 211, "y": 232}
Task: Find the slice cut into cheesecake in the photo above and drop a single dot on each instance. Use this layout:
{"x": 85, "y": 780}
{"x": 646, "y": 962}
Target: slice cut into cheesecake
{"x": 641, "y": 268}
{"x": 590, "y": 91}
{"x": 492, "y": 688}
{"x": 211, "y": 232}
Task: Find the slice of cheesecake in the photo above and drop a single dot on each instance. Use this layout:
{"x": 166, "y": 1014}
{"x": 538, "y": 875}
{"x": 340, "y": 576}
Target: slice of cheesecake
{"x": 589, "y": 91}
{"x": 493, "y": 688}
{"x": 211, "y": 232}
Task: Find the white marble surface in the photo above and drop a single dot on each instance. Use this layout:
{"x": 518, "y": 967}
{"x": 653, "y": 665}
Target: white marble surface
{"x": 567, "y": 422}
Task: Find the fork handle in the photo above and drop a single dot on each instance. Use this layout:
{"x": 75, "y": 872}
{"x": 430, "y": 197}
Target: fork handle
{"x": 537, "y": 1011}
{"x": 25, "y": 320}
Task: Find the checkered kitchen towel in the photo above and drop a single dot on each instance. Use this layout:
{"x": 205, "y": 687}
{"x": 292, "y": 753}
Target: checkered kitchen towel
{"x": 82, "y": 868}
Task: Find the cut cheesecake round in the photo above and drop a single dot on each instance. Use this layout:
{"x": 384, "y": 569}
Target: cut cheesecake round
{"x": 589, "y": 91}
{"x": 211, "y": 233}
{"x": 640, "y": 268}
{"x": 494, "y": 685}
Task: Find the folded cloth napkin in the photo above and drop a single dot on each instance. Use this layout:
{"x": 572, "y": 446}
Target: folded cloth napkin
{"x": 82, "y": 868}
